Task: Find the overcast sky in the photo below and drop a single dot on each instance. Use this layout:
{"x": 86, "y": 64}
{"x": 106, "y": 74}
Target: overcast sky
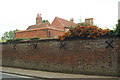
{"x": 19, "y": 14}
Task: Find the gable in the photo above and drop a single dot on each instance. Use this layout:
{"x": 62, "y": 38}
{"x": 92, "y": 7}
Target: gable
{"x": 63, "y": 23}
{"x": 57, "y": 23}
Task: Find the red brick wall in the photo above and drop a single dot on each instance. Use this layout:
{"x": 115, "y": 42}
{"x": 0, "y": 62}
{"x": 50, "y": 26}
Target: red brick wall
{"x": 76, "y": 56}
{"x": 37, "y": 33}
{"x": 55, "y": 32}
{"x": 31, "y": 34}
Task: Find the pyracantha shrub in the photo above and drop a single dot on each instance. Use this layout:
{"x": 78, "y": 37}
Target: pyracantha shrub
{"x": 84, "y": 32}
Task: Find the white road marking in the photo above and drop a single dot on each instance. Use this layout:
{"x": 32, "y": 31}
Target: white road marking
{"x": 17, "y": 75}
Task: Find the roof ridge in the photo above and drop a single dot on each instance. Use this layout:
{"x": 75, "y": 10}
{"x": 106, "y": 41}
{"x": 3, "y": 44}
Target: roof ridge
{"x": 63, "y": 19}
{"x": 60, "y": 21}
{"x": 38, "y": 29}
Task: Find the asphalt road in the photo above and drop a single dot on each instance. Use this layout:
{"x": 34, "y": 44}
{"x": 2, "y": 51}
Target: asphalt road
{"x": 6, "y": 76}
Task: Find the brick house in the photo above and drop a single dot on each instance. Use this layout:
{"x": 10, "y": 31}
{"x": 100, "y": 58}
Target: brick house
{"x": 44, "y": 30}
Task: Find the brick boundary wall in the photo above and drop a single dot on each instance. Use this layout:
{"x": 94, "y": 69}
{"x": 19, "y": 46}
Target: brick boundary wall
{"x": 99, "y": 56}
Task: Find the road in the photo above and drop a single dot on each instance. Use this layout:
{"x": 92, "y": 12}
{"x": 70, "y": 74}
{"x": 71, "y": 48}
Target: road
{"x": 6, "y": 76}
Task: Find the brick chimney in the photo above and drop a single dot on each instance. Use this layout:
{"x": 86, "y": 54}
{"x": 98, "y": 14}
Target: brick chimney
{"x": 89, "y": 21}
{"x": 38, "y": 19}
{"x": 71, "y": 20}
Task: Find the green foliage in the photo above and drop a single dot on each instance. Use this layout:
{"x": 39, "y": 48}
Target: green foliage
{"x": 9, "y": 35}
{"x": 19, "y": 40}
{"x": 111, "y": 33}
{"x": 83, "y": 24}
{"x": 118, "y": 28}
{"x": 35, "y": 38}
{"x": 10, "y": 40}
{"x": 44, "y": 21}
{"x": 14, "y": 40}
{"x": 116, "y": 31}
{"x": 70, "y": 28}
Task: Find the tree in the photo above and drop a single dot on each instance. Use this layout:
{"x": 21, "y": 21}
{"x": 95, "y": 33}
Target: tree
{"x": 9, "y": 35}
{"x": 44, "y": 21}
{"x": 118, "y": 28}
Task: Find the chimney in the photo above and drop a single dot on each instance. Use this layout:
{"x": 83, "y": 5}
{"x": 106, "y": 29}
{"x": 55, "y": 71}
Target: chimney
{"x": 72, "y": 20}
{"x": 89, "y": 21}
{"x": 38, "y": 19}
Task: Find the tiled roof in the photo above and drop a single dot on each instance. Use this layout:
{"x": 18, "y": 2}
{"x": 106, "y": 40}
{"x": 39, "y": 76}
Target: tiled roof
{"x": 66, "y": 23}
{"x": 39, "y": 25}
{"x": 59, "y": 21}
{"x": 39, "y": 29}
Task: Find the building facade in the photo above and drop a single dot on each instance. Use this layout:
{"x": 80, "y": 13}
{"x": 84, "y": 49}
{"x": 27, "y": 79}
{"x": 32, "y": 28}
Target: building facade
{"x": 47, "y": 30}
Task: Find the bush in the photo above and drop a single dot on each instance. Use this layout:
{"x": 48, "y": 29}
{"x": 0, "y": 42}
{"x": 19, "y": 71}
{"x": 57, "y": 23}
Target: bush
{"x": 111, "y": 33}
{"x": 14, "y": 40}
{"x": 84, "y": 32}
{"x": 10, "y": 40}
{"x": 35, "y": 38}
{"x": 118, "y": 28}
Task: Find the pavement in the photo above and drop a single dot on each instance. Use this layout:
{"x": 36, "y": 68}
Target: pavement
{"x": 45, "y": 74}
{"x": 6, "y": 75}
